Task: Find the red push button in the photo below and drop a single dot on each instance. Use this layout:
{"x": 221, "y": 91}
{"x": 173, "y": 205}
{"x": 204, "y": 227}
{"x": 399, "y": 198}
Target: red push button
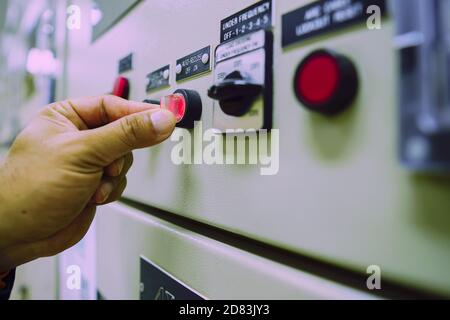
{"x": 121, "y": 88}
{"x": 176, "y": 104}
{"x": 326, "y": 82}
{"x": 186, "y": 105}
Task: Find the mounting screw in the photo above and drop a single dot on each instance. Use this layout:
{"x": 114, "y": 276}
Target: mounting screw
{"x": 205, "y": 58}
{"x": 178, "y": 68}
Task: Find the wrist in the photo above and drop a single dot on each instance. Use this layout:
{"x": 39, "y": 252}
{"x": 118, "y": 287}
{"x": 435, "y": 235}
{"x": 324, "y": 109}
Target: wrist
{"x": 5, "y": 220}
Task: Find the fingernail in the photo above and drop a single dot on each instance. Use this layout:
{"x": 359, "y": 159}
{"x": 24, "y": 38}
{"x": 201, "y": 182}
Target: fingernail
{"x": 120, "y": 165}
{"x": 105, "y": 191}
{"x": 163, "y": 122}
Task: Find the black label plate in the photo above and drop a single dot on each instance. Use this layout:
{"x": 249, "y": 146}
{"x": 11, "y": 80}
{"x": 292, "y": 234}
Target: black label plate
{"x": 157, "y": 284}
{"x": 126, "y": 63}
{"x": 257, "y": 16}
{"x": 325, "y": 16}
{"x": 193, "y": 65}
{"x": 158, "y": 79}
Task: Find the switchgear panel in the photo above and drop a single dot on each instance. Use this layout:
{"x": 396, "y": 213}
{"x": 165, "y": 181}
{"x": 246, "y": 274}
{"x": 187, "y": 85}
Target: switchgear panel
{"x": 326, "y": 77}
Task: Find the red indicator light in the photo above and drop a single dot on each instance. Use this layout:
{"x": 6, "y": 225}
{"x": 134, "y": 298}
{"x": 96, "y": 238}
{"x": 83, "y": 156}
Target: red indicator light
{"x": 326, "y": 82}
{"x": 176, "y": 104}
{"x": 121, "y": 88}
{"x": 186, "y": 106}
{"x": 318, "y": 79}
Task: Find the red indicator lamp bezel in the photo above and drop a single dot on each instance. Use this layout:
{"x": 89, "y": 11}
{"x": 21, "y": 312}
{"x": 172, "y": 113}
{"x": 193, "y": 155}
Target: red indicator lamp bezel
{"x": 326, "y": 82}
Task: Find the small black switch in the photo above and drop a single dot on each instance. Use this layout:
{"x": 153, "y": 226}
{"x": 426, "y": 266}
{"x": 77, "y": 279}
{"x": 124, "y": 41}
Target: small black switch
{"x": 236, "y": 94}
{"x": 151, "y": 101}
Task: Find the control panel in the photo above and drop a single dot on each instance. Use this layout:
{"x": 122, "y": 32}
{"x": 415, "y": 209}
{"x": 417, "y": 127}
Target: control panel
{"x": 331, "y": 91}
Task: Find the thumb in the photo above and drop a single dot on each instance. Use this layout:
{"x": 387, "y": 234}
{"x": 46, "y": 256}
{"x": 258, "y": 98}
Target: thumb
{"x": 136, "y": 131}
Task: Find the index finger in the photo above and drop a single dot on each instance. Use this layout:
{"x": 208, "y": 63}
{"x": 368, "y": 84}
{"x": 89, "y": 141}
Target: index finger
{"x": 99, "y": 111}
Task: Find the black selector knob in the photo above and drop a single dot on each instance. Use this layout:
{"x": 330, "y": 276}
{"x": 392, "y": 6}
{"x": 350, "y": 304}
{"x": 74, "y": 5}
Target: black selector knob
{"x": 236, "y": 94}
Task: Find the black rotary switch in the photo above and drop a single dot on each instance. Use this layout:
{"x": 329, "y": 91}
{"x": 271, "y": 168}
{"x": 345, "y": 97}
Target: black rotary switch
{"x": 236, "y": 94}
{"x": 326, "y": 82}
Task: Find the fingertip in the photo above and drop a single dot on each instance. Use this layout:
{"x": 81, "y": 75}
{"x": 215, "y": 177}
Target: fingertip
{"x": 163, "y": 122}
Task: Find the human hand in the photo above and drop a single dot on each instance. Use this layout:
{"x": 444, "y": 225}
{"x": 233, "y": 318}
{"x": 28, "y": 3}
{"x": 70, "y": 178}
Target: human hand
{"x": 71, "y": 158}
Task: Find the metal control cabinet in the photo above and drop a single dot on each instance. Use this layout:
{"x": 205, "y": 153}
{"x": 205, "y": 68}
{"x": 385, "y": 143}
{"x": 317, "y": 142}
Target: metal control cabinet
{"x": 195, "y": 261}
{"x": 341, "y": 194}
